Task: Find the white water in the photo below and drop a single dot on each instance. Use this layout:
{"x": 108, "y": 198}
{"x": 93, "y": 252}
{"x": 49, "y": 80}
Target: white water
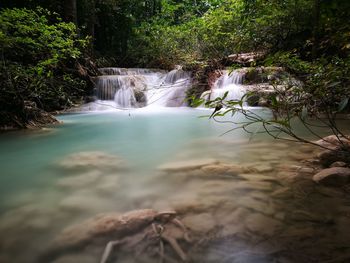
{"x": 230, "y": 82}
{"x": 133, "y": 88}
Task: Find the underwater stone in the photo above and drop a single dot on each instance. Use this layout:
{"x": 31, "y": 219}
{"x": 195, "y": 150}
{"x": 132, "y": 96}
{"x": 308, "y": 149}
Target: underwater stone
{"x": 336, "y": 176}
{"x": 92, "y": 160}
{"x": 79, "y": 180}
{"x": 186, "y": 165}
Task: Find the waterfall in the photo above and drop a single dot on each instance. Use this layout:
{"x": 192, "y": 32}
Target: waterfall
{"x": 137, "y": 87}
{"x": 172, "y": 90}
{"x": 125, "y": 97}
{"x": 231, "y": 82}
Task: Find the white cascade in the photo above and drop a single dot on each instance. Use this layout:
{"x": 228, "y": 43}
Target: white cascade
{"x": 137, "y": 87}
{"x": 171, "y": 92}
{"x": 125, "y": 97}
{"x": 230, "y": 82}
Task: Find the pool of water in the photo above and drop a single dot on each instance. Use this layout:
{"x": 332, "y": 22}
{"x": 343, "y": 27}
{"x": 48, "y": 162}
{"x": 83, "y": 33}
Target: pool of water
{"x": 236, "y": 195}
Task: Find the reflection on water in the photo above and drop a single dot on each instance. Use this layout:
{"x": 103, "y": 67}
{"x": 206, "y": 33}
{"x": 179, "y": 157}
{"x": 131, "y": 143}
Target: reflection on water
{"x": 241, "y": 200}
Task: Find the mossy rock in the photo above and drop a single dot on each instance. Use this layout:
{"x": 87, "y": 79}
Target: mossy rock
{"x": 265, "y": 75}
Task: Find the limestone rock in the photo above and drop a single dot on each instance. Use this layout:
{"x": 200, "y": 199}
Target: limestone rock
{"x": 83, "y": 200}
{"x": 332, "y": 141}
{"x": 336, "y": 176}
{"x": 181, "y": 166}
{"x": 338, "y": 164}
{"x": 108, "y": 184}
{"x": 258, "y": 177}
{"x": 262, "y": 224}
{"x": 222, "y": 169}
{"x": 110, "y": 226}
{"x": 81, "y": 180}
{"x": 244, "y": 58}
{"x": 329, "y": 157}
{"x": 75, "y": 259}
{"x": 201, "y": 223}
{"x": 83, "y": 161}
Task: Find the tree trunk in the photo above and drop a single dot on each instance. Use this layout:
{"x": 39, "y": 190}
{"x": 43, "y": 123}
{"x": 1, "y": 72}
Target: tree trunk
{"x": 70, "y": 11}
{"x": 315, "y": 31}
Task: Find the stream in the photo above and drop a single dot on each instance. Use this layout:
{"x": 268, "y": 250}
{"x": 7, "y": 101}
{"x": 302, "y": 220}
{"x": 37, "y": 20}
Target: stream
{"x": 238, "y": 195}
{"x": 241, "y": 198}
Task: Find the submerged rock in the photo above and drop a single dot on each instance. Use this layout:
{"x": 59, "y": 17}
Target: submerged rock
{"x": 338, "y": 164}
{"x": 84, "y": 200}
{"x": 336, "y": 176}
{"x": 129, "y": 233}
{"x": 201, "y": 223}
{"x": 75, "y": 259}
{"x": 108, "y": 226}
{"x": 187, "y": 165}
{"x": 328, "y": 157}
{"x": 83, "y": 161}
{"x": 262, "y": 225}
{"x": 77, "y": 181}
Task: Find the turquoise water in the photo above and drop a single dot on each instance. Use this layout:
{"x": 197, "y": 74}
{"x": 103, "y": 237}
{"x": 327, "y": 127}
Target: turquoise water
{"x": 112, "y": 162}
{"x": 144, "y": 138}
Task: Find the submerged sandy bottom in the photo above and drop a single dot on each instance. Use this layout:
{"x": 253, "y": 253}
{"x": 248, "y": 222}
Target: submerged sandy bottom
{"x": 240, "y": 200}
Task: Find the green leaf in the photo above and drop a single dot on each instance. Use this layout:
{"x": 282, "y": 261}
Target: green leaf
{"x": 343, "y": 104}
{"x": 225, "y": 95}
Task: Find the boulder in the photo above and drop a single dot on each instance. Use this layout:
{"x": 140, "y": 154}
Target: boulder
{"x": 333, "y": 141}
{"x": 328, "y": 157}
{"x": 335, "y": 176}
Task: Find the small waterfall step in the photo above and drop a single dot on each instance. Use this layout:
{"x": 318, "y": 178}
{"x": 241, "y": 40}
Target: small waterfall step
{"x": 230, "y": 82}
{"x": 138, "y": 87}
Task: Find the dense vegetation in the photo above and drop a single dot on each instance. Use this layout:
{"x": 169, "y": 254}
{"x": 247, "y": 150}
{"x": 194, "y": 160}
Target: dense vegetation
{"x": 42, "y": 43}
{"x": 39, "y": 56}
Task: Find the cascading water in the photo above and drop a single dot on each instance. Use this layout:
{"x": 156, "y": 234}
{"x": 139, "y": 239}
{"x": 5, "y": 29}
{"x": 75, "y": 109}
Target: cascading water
{"x": 172, "y": 90}
{"x": 136, "y": 87}
{"x": 230, "y": 82}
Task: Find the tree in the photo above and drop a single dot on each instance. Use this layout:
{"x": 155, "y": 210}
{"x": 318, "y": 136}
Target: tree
{"x": 70, "y": 11}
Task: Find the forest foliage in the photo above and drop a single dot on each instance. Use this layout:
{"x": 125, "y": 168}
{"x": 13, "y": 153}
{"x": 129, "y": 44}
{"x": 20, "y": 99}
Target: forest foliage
{"x": 41, "y": 41}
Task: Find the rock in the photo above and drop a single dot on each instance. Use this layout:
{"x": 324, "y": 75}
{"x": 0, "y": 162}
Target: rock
{"x": 84, "y": 200}
{"x": 258, "y": 177}
{"x": 338, "y": 164}
{"x": 262, "y": 168}
{"x": 257, "y": 205}
{"x": 331, "y": 192}
{"x": 75, "y": 259}
{"x": 109, "y": 226}
{"x": 253, "y": 185}
{"x": 181, "y": 166}
{"x": 300, "y": 232}
{"x": 222, "y": 169}
{"x": 108, "y": 184}
{"x": 306, "y": 216}
{"x": 333, "y": 141}
{"x": 283, "y": 193}
{"x": 86, "y": 161}
{"x": 244, "y": 58}
{"x": 306, "y": 170}
{"x": 336, "y": 176}
{"x": 79, "y": 180}
{"x": 262, "y": 225}
{"x": 329, "y": 157}
{"x": 201, "y": 223}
